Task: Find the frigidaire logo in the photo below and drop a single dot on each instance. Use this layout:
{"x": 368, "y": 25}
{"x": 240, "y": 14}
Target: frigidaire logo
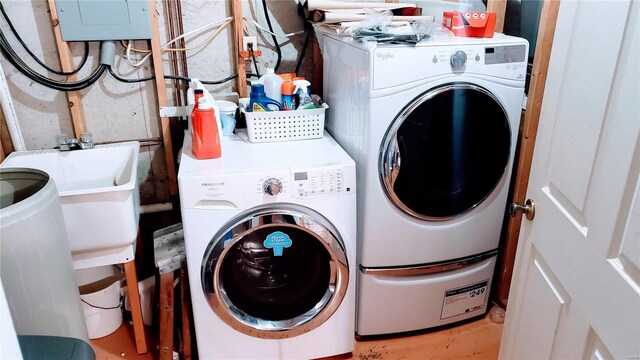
{"x": 385, "y": 55}
{"x": 213, "y": 184}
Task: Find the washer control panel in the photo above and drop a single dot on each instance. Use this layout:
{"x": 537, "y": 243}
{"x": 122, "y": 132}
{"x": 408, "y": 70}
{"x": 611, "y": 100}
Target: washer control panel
{"x": 318, "y": 182}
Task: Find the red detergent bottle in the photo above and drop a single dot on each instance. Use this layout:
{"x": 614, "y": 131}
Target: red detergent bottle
{"x": 206, "y": 139}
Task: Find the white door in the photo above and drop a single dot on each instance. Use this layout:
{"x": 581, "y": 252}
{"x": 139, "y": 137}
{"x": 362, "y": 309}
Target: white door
{"x": 576, "y": 289}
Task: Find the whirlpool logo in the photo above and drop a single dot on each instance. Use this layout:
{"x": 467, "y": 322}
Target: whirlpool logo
{"x": 384, "y": 55}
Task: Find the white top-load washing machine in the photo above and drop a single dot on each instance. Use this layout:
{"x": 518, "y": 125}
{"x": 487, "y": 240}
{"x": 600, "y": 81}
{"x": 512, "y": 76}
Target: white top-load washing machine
{"x": 271, "y": 251}
{"x": 433, "y": 130}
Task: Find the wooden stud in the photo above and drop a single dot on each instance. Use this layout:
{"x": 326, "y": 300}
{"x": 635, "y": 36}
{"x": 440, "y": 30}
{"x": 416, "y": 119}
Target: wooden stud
{"x": 500, "y": 8}
{"x": 1, "y": 151}
{"x": 66, "y": 64}
{"x": 161, "y": 89}
{"x": 185, "y": 302}
{"x": 546, "y": 30}
{"x": 136, "y": 308}
{"x": 318, "y": 65}
{"x": 165, "y": 341}
{"x": 241, "y": 69}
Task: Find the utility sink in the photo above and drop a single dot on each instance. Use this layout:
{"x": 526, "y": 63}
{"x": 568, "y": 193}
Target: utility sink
{"x": 100, "y": 198}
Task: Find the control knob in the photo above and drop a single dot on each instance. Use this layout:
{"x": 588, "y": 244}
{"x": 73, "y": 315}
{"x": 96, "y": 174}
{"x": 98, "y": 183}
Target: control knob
{"x": 272, "y": 187}
{"x": 458, "y": 60}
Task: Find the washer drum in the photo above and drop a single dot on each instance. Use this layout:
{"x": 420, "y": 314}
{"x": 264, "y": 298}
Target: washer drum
{"x": 35, "y": 261}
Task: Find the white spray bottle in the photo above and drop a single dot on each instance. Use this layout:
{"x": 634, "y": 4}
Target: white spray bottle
{"x": 306, "y": 102}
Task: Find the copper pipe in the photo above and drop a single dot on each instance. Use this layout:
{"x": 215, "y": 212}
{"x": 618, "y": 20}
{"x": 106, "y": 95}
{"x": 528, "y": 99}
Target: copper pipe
{"x": 143, "y": 142}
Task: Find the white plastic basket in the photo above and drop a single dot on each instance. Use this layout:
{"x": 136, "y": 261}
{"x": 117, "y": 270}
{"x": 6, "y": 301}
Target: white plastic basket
{"x": 273, "y": 126}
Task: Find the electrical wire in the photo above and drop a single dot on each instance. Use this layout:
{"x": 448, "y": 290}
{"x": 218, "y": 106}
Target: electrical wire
{"x": 275, "y": 41}
{"x": 303, "y": 51}
{"x": 170, "y": 77}
{"x": 257, "y": 25}
{"x": 253, "y": 56}
{"x": 165, "y": 48}
{"x": 83, "y": 61}
{"x": 19, "y": 64}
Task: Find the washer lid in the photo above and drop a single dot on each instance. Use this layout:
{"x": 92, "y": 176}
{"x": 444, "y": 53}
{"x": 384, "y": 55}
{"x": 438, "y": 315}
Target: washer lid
{"x": 445, "y": 152}
{"x": 276, "y": 271}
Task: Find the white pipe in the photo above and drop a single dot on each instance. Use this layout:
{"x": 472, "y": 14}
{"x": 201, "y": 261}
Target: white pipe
{"x": 9, "y": 113}
{"x": 155, "y": 208}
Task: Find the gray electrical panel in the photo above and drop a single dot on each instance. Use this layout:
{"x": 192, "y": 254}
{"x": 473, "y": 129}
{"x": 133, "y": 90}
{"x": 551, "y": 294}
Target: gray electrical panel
{"x": 97, "y": 20}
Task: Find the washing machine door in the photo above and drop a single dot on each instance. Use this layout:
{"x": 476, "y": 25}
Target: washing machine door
{"x": 445, "y": 152}
{"x": 275, "y": 272}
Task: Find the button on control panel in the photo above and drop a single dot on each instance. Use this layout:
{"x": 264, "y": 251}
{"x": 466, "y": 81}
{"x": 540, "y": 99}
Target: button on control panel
{"x": 318, "y": 183}
{"x": 272, "y": 186}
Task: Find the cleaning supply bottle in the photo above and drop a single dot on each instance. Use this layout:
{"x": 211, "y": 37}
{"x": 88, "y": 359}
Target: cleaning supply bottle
{"x": 306, "y": 102}
{"x": 191, "y": 102}
{"x": 271, "y": 83}
{"x": 258, "y": 100}
{"x": 206, "y": 138}
{"x": 303, "y": 78}
{"x": 287, "y": 88}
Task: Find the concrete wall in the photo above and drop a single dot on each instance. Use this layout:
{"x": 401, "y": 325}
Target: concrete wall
{"x": 117, "y": 111}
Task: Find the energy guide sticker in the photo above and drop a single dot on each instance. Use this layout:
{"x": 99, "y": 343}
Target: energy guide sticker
{"x": 464, "y": 300}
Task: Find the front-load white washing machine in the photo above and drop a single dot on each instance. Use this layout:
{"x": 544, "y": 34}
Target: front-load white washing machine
{"x": 271, "y": 249}
{"x": 433, "y": 131}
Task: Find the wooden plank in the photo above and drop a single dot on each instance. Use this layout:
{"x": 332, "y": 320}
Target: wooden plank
{"x": 500, "y": 8}
{"x": 318, "y": 64}
{"x": 165, "y": 341}
{"x": 546, "y": 30}
{"x": 1, "y": 151}
{"x": 161, "y": 89}
{"x": 185, "y": 301}
{"x": 74, "y": 98}
{"x": 6, "y": 145}
{"x": 241, "y": 81}
{"x": 136, "y": 307}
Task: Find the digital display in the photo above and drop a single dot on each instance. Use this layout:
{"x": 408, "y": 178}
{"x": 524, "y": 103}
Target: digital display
{"x": 300, "y": 176}
{"x": 505, "y": 54}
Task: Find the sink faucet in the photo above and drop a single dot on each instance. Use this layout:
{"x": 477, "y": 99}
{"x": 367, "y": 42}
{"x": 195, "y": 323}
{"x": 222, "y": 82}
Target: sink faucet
{"x": 66, "y": 143}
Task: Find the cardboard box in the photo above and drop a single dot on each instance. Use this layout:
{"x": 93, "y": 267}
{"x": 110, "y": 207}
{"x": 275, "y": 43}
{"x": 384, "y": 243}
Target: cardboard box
{"x": 470, "y": 23}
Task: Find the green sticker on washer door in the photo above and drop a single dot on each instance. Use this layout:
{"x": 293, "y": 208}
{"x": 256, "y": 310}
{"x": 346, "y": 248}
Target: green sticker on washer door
{"x": 277, "y": 241}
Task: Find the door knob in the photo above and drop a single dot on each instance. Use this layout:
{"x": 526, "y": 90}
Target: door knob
{"x": 529, "y": 209}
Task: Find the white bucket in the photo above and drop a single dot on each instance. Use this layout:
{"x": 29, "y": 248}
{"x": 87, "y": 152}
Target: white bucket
{"x": 100, "y": 295}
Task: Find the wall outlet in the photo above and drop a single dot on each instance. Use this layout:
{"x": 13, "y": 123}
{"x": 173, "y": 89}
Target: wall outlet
{"x": 250, "y": 40}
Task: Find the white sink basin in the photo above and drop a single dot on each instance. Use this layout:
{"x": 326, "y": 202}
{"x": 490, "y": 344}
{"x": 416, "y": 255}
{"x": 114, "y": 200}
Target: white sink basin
{"x": 99, "y": 195}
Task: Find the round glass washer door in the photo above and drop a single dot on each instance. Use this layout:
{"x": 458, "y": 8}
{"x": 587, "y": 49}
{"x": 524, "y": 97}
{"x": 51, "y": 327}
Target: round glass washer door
{"x": 445, "y": 152}
{"x": 275, "y": 272}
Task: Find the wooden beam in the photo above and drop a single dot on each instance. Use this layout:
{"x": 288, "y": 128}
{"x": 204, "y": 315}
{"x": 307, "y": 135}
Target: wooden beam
{"x": 161, "y": 89}
{"x": 74, "y": 99}
{"x": 136, "y": 307}
{"x": 500, "y": 8}
{"x": 1, "y": 151}
{"x": 185, "y": 304}
{"x": 241, "y": 81}
{"x": 318, "y": 66}
{"x": 165, "y": 340}
{"x": 546, "y": 30}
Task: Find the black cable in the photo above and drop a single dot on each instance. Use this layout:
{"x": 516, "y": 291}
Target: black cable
{"x": 275, "y": 41}
{"x": 85, "y": 56}
{"x": 171, "y": 77}
{"x": 253, "y": 56}
{"x": 303, "y": 51}
{"x": 16, "y": 61}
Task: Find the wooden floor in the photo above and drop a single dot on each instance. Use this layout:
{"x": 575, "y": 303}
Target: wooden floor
{"x": 478, "y": 339}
